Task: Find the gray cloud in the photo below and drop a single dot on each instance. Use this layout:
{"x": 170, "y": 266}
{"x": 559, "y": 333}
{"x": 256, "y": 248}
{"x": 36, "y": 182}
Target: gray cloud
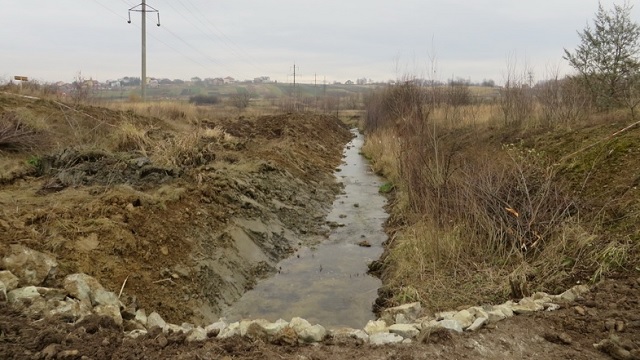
{"x": 336, "y": 39}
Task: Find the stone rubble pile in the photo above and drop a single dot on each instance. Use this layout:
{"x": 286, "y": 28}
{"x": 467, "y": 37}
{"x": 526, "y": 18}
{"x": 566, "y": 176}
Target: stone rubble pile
{"x": 24, "y": 272}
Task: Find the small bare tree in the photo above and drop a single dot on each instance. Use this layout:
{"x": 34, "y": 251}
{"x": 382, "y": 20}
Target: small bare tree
{"x": 516, "y": 100}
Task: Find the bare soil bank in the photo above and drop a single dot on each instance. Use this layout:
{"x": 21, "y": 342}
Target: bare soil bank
{"x": 188, "y": 231}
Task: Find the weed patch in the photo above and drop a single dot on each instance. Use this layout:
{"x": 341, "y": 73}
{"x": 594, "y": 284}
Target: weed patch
{"x": 492, "y": 203}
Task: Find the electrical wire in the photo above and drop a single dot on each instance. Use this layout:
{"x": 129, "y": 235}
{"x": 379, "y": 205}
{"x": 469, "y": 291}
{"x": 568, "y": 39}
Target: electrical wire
{"x": 229, "y": 42}
{"x": 181, "y": 39}
{"x": 203, "y": 28}
{"x": 152, "y": 36}
{"x": 211, "y": 29}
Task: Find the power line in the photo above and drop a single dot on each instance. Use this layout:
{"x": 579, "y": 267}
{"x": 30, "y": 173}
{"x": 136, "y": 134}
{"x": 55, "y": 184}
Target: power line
{"x": 153, "y": 36}
{"x": 178, "y": 38}
{"x": 142, "y": 9}
{"x": 224, "y": 37}
{"x": 196, "y": 49}
{"x": 197, "y": 14}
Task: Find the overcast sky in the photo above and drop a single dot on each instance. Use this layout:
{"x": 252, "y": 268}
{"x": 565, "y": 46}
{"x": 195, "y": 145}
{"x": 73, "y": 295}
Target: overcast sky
{"x": 335, "y": 39}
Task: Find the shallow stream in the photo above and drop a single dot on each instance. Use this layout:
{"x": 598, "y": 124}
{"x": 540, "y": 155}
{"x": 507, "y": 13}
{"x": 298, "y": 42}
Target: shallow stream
{"x": 328, "y": 283}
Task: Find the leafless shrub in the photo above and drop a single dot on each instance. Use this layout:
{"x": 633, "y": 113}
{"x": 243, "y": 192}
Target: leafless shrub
{"x": 562, "y": 101}
{"x": 15, "y": 135}
{"x": 397, "y": 105}
{"x": 241, "y": 100}
{"x": 516, "y": 98}
{"x": 457, "y": 94}
{"x": 517, "y": 201}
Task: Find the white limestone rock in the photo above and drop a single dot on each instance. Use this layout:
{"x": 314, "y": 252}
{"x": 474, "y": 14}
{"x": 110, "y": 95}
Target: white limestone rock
{"x": 216, "y": 328}
{"x": 272, "y": 329}
{"x": 401, "y": 319}
{"x": 527, "y": 305}
{"x": 477, "y": 324}
{"x": 196, "y": 334}
{"x": 506, "y": 309}
{"x": 26, "y": 293}
{"x": 374, "y": 327}
{"x": 70, "y": 308}
{"x": 445, "y": 315}
{"x": 383, "y": 338}
{"x": 141, "y": 317}
{"x": 299, "y": 324}
{"x": 87, "y": 289}
{"x": 464, "y": 318}
{"x": 173, "y": 328}
{"x": 312, "y": 334}
{"x": 349, "y": 333}
{"x": 135, "y": 334}
{"x": 451, "y": 325}
{"x": 232, "y": 329}
{"x": 154, "y": 319}
{"x": 494, "y": 316}
{"x": 30, "y": 266}
{"x": 409, "y": 311}
{"x": 10, "y": 281}
{"x": 110, "y": 311}
{"x": 407, "y": 331}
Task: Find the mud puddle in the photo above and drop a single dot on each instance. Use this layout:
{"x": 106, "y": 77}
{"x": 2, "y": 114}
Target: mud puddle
{"x": 328, "y": 284}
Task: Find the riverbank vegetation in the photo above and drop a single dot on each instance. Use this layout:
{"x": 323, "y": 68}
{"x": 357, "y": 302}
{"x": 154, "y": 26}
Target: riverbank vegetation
{"x": 532, "y": 192}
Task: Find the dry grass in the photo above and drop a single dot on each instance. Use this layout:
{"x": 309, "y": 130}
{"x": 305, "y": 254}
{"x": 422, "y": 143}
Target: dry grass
{"x": 440, "y": 268}
{"x": 174, "y": 111}
{"x": 383, "y": 147}
{"x": 17, "y": 135}
{"x": 466, "y": 115}
{"x": 130, "y": 137}
{"x": 191, "y": 148}
{"x": 482, "y": 212}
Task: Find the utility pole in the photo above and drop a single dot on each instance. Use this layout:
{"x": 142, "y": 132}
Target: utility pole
{"x": 294, "y": 80}
{"x": 324, "y": 86}
{"x": 143, "y": 77}
{"x": 142, "y": 9}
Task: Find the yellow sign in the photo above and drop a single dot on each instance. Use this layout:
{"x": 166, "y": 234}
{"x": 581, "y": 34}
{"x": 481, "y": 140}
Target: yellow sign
{"x": 21, "y": 78}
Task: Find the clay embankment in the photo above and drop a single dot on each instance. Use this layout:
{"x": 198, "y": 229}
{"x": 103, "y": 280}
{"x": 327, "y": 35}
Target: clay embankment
{"x": 187, "y": 217}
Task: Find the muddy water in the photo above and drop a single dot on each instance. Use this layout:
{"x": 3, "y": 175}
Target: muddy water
{"x": 328, "y": 284}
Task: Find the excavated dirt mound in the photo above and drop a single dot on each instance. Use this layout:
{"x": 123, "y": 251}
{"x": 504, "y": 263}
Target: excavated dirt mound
{"x": 187, "y": 217}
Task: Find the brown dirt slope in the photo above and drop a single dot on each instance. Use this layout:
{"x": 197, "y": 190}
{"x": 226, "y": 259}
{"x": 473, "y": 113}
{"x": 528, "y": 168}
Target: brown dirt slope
{"x": 169, "y": 207}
